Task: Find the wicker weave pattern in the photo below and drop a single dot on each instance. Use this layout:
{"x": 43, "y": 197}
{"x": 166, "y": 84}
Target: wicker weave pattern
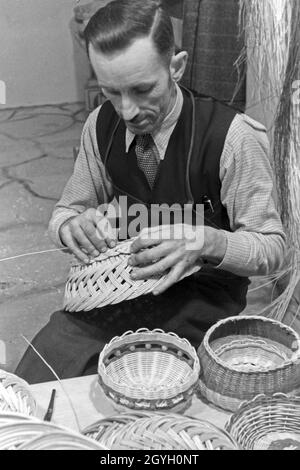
{"x": 106, "y": 280}
{"x": 105, "y": 429}
{"x": 149, "y": 370}
{"x": 26, "y": 433}
{"x": 15, "y": 395}
{"x": 267, "y": 423}
{"x": 242, "y": 357}
{"x": 159, "y": 431}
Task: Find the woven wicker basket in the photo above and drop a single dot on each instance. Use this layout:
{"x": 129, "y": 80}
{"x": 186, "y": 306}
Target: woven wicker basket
{"x": 267, "y": 423}
{"x": 106, "y": 280}
{"x": 15, "y": 395}
{"x": 241, "y": 357}
{"x": 24, "y": 433}
{"x": 150, "y": 370}
{"x": 159, "y": 431}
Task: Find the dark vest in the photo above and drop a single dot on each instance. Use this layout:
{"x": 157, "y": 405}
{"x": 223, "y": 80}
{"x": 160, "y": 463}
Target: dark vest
{"x": 212, "y": 122}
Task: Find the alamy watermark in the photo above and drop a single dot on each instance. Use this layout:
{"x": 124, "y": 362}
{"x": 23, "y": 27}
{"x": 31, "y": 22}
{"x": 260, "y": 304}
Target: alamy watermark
{"x": 120, "y": 220}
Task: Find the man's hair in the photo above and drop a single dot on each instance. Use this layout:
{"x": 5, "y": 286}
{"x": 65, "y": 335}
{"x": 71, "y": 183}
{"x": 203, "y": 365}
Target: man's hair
{"x": 116, "y": 26}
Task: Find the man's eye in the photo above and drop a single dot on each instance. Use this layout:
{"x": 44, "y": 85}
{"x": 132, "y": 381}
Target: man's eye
{"x": 143, "y": 90}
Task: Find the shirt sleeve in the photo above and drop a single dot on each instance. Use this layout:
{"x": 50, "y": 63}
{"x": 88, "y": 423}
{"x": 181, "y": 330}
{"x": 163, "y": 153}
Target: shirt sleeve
{"x": 256, "y": 245}
{"x": 88, "y": 186}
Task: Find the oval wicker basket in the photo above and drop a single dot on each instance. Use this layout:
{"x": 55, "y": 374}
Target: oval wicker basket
{"x": 150, "y": 370}
{"x": 267, "y": 423}
{"x": 26, "y": 433}
{"x": 159, "y": 431}
{"x": 245, "y": 356}
{"x": 106, "y": 280}
{"x": 15, "y": 395}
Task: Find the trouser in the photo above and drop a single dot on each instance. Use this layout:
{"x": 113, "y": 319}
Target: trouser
{"x": 71, "y": 342}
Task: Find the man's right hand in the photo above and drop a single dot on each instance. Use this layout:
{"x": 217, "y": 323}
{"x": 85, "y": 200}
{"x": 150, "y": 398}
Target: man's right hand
{"x": 87, "y": 234}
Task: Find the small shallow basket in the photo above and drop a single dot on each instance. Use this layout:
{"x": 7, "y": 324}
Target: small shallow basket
{"x": 267, "y": 423}
{"x": 106, "y": 281}
{"x": 24, "y": 433}
{"x": 159, "y": 431}
{"x": 245, "y": 356}
{"x": 15, "y": 395}
{"x": 150, "y": 370}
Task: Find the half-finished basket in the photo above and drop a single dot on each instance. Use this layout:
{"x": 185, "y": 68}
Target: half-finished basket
{"x": 267, "y": 423}
{"x": 150, "y": 370}
{"x": 15, "y": 395}
{"x": 159, "y": 431}
{"x": 245, "y": 356}
{"x": 106, "y": 280}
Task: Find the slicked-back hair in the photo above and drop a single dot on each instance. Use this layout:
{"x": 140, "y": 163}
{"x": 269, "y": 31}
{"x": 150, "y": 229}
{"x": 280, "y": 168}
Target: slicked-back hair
{"x": 116, "y": 26}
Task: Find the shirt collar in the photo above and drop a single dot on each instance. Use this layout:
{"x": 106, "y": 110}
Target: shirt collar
{"x": 162, "y": 136}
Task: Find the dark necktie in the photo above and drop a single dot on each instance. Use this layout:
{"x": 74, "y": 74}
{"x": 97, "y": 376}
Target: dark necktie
{"x": 147, "y": 157}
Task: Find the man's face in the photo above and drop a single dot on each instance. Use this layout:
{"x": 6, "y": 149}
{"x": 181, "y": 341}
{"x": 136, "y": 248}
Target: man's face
{"x": 138, "y": 84}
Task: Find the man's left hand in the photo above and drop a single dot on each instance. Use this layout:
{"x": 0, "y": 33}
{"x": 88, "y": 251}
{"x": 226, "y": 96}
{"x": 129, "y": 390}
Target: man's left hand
{"x": 174, "y": 250}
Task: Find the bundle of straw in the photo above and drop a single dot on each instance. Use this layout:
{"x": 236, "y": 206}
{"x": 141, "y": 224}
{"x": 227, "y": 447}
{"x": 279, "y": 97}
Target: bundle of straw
{"x": 272, "y": 31}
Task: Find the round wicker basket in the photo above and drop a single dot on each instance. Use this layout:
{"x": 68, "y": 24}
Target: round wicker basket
{"x": 25, "y": 433}
{"x": 106, "y": 280}
{"x": 15, "y": 395}
{"x": 159, "y": 431}
{"x": 245, "y": 356}
{"x": 150, "y": 370}
{"x": 267, "y": 423}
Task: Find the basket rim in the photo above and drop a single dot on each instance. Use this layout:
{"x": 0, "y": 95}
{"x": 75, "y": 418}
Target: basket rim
{"x": 154, "y": 419}
{"x": 119, "y": 340}
{"x": 122, "y": 248}
{"x": 206, "y": 343}
{"x": 120, "y": 418}
{"x": 260, "y": 400}
{"x": 44, "y": 429}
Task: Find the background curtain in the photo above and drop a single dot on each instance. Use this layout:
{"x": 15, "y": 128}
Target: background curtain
{"x": 211, "y": 37}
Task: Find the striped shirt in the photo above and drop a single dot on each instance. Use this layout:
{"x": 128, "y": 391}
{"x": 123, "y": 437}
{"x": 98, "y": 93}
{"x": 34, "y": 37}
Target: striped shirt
{"x": 256, "y": 245}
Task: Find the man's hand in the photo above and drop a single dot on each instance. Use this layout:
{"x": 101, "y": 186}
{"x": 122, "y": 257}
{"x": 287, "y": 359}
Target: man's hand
{"x": 175, "y": 250}
{"x": 87, "y": 234}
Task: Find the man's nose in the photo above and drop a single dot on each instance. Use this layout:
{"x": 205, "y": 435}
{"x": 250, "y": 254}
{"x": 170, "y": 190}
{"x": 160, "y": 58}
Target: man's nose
{"x": 129, "y": 109}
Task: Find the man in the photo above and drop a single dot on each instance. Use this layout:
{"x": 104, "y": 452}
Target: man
{"x": 131, "y": 48}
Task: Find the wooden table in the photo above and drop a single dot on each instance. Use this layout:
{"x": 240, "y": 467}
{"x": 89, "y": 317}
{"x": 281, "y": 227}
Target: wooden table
{"x": 91, "y": 404}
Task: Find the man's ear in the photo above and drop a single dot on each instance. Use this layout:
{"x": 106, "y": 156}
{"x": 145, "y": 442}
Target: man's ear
{"x": 178, "y": 65}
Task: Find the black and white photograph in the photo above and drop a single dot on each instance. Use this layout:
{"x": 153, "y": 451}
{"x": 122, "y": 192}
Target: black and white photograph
{"x": 149, "y": 227}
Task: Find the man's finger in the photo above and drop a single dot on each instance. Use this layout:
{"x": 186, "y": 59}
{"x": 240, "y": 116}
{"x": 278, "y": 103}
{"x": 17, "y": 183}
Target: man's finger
{"x": 106, "y": 232}
{"x": 150, "y": 255}
{"x": 172, "y": 277}
{"x": 155, "y": 269}
{"x": 83, "y": 241}
{"x": 142, "y": 243}
{"x": 71, "y": 243}
{"x": 92, "y": 234}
